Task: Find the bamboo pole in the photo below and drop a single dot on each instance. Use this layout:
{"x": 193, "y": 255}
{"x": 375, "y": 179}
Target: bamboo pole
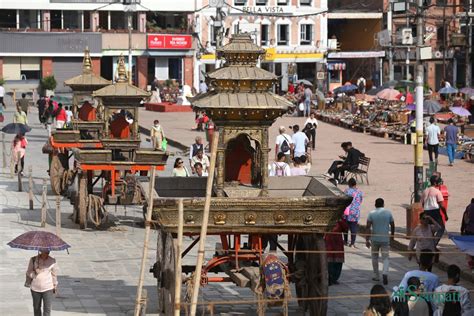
{"x": 18, "y": 166}
{"x": 205, "y": 220}
{"x": 145, "y": 243}
{"x": 30, "y": 186}
{"x": 179, "y": 246}
{"x": 43, "y": 203}
{"x": 4, "y": 154}
{"x": 58, "y": 215}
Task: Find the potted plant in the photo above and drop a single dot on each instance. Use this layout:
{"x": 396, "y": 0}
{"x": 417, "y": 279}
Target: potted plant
{"x": 48, "y": 84}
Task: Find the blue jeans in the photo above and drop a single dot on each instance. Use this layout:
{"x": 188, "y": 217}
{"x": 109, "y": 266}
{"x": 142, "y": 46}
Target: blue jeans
{"x": 307, "y": 107}
{"x": 451, "y": 152}
{"x": 353, "y": 228}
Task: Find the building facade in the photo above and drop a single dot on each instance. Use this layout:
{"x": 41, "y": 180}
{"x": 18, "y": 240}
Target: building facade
{"x": 353, "y": 51}
{"x": 39, "y": 38}
{"x": 446, "y": 31}
{"x": 294, "y": 33}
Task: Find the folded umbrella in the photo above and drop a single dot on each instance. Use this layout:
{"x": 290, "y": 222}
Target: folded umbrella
{"x": 448, "y": 90}
{"x": 39, "y": 240}
{"x": 459, "y": 110}
{"x": 16, "y": 128}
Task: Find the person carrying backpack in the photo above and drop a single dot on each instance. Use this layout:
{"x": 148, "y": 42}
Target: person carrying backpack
{"x": 283, "y": 144}
{"x": 280, "y": 168}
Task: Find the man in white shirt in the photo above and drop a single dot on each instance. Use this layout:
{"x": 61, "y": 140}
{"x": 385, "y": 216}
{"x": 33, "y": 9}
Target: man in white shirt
{"x": 202, "y": 159}
{"x": 2, "y": 95}
{"x": 432, "y": 139}
{"x": 459, "y": 293}
{"x": 284, "y": 144}
{"x": 202, "y": 87}
{"x": 300, "y": 140}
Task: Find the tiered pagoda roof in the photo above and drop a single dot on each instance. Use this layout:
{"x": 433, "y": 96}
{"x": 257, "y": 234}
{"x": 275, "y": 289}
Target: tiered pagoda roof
{"x": 240, "y": 86}
{"x": 87, "y": 81}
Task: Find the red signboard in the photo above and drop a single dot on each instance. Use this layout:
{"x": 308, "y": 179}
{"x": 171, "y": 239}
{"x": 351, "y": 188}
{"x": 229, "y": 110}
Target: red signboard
{"x": 165, "y": 41}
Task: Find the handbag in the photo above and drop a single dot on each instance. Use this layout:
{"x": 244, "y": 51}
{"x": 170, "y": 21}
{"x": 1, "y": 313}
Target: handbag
{"x": 164, "y": 144}
{"x": 28, "y": 278}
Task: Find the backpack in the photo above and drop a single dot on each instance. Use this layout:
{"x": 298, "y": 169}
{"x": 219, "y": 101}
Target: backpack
{"x": 279, "y": 170}
{"x": 284, "y": 147}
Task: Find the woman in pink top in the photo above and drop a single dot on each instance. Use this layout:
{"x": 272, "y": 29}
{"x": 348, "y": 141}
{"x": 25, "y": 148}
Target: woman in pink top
{"x": 43, "y": 270}
{"x": 19, "y": 146}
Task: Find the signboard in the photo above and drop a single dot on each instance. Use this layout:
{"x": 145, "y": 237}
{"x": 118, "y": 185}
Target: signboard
{"x": 267, "y": 9}
{"x": 270, "y": 54}
{"x": 165, "y": 41}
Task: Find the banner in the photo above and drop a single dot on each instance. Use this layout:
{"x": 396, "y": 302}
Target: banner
{"x": 165, "y": 41}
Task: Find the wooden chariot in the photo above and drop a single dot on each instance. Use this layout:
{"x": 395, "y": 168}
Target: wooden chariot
{"x": 105, "y": 142}
{"x": 248, "y": 208}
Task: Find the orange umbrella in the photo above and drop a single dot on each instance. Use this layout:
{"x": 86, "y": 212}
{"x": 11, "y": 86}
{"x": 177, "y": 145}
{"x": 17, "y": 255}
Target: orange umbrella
{"x": 388, "y": 94}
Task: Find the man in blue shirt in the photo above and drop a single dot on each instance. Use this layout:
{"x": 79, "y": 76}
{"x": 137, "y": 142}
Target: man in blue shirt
{"x": 378, "y": 223}
{"x": 451, "y": 133}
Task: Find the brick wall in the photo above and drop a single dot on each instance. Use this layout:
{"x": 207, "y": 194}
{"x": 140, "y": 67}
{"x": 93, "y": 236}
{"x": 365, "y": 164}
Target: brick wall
{"x": 46, "y": 66}
{"x": 188, "y": 71}
{"x": 96, "y": 65}
{"x": 142, "y": 67}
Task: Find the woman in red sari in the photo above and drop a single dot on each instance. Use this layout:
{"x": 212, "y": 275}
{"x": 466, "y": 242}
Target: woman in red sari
{"x": 335, "y": 250}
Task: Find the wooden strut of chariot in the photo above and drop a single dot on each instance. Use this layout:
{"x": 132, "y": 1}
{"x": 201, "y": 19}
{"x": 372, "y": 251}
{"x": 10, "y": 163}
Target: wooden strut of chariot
{"x": 247, "y": 208}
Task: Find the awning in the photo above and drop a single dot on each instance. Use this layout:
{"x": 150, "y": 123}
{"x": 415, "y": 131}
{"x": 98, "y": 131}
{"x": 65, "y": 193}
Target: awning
{"x": 366, "y": 54}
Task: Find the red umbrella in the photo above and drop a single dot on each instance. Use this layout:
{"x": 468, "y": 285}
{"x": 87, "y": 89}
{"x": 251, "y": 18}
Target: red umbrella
{"x": 39, "y": 240}
{"x": 388, "y": 94}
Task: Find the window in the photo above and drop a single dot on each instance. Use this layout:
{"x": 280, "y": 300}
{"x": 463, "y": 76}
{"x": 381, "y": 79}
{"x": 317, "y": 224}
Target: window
{"x": 306, "y": 34}
{"x": 213, "y": 35}
{"x": 71, "y": 19}
{"x": 240, "y": 2}
{"x": 28, "y": 19}
{"x": 282, "y": 2}
{"x": 334, "y": 76}
{"x": 7, "y": 18}
{"x": 169, "y": 21}
{"x": 175, "y": 68}
{"x": 87, "y": 20}
{"x": 118, "y": 20}
{"x": 283, "y": 37}
{"x": 236, "y": 29}
{"x": 264, "y": 38}
{"x": 261, "y": 2}
{"x": 305, "y": 2}
{"x": 55, "y": 17}
{"x": 104, "y": 20}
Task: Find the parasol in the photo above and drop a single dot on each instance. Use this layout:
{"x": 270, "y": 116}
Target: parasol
{"x": 411, "y": 107}
{"x": 39, "y": 240}
{"x": 467, "y": 90}
{"x": 465, "y": 243}
{"x": 16, "y": 128}
{"x": 62, "y": 99}
{"x": 431, "y": 106}
{"x": 459, "y": 110}
{"x": 345, "y": 88}
{"x": 448, "y": 90}
{"x": 305, "y": 82}
{"x": 388, "y": 94}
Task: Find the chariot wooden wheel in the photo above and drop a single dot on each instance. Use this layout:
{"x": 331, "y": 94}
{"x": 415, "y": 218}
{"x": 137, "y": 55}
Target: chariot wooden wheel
{"x": 166, "y": 266}
{"x": 311, "y": 275}
{"x": 82, "y": 200}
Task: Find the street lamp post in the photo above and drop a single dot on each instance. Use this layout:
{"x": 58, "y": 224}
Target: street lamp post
{"x": 418, "y": 172}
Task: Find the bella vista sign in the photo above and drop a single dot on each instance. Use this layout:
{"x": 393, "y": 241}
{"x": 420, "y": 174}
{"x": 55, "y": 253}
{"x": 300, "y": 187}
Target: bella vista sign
{"x": 165, "y": 41}
{"x": 266, "y": 9}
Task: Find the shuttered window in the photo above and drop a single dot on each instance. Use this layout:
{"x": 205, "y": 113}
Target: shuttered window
{"x": 21, "y": 68}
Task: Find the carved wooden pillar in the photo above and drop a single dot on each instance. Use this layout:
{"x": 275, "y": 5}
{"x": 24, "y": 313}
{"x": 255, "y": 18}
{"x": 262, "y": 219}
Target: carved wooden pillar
{"x": 220, "y": 163}
{"x": 136, "y": 134}
{"x": 106, "y": 123}
{"x": 264, "y": 164}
